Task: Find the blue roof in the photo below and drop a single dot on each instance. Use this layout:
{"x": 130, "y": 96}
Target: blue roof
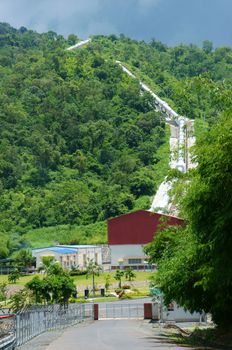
{"x": 78, "y": 246}
{"x": 62, "y": 250}
{"x": 65, "y": 249}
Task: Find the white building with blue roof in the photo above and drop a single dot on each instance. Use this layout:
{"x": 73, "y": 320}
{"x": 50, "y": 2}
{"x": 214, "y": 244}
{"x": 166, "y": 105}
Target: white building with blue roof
{"x": 69, "y": 256}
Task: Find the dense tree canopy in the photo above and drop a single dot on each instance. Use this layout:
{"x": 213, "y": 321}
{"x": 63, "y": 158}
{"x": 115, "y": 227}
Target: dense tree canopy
{"x": 195, "y": 264}
{"x": 79, "y": 142}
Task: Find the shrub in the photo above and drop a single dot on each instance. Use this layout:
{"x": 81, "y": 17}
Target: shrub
{"x": 126, "y": 286}
{"x": 78, "y": 272}
{"x": 118, "y": 290}
{"x": 125, "y": 296}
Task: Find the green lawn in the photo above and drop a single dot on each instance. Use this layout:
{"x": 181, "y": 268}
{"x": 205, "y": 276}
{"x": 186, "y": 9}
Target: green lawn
{"x": 100, "y": 280}
{"x": 21, "y": 282}
{"x": 83, "y": 281}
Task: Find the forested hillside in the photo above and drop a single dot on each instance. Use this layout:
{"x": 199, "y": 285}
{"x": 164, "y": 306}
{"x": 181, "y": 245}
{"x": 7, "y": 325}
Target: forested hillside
{"x": 79, "y": 142}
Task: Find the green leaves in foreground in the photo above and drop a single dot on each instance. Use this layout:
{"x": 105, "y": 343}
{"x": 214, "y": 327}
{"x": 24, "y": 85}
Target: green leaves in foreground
{"x": 195, "y": 267}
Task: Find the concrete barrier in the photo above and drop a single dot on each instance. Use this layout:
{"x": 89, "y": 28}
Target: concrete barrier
{"x": 175, "y": 313}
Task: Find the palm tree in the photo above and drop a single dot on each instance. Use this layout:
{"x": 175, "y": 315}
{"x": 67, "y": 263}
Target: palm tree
{"x": 93, "y": 269}
{"x": 129, "y": 274}
{"x": 47, "y": 262}
{"x": 118, "y": 277}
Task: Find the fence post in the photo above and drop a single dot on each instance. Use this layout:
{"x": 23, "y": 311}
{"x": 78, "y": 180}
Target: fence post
{"x": 147, "y": 311}
{"x": 95, "y": 312}
{"x": 155, "y": 312}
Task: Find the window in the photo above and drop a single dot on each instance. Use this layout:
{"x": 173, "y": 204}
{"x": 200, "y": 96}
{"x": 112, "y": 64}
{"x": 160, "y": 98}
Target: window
{"x": 134, "y": 261}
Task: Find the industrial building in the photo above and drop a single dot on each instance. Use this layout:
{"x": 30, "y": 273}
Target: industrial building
{"x": 129, "y": 233}
{"x": 74, "y": 256}
{"x": 127, "y": 236}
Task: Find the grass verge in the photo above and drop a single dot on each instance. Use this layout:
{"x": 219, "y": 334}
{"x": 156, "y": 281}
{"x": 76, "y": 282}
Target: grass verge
{"x": 207, "y": 337}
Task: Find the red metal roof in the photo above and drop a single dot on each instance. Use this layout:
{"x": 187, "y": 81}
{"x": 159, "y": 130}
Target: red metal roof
{"x": 138, "y": 227}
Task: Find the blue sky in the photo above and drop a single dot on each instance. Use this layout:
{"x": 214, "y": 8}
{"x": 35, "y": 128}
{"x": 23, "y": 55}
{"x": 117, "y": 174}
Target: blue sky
{"x": 171, "y": 21}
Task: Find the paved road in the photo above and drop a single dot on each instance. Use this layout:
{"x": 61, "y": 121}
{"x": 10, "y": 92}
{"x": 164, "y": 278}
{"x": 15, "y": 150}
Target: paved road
{"x": 112, "y": 335}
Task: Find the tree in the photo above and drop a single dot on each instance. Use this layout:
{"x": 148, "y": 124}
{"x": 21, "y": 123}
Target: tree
{"x": 164, "y": 242}
{"x": 107, "y": 282}
{"x": 3, "y": 292}
{"x": 129, "y": 274}
{"x": 56, "y": 287}
{"x": 93, "y": 270}
{"x": 207, "y": 46}
{"x": 196, "y": 271}
{"x": 4, "y": 248}
{"x": 73, "y": 124}
{"x": 142, "y": 184}
{"x": 21, "y": 300}
{"x": 208, "y": 208}
{"x": 72, "y": 39}
{"x": 47, "y": 263}
{"x": 14, "y": 275}
{"x": 118, "y": 277}
{"x": 25, "y": 259}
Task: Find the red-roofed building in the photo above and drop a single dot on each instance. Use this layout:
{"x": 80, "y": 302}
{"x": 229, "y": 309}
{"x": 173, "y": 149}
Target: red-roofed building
{"x": 127, "y": 235}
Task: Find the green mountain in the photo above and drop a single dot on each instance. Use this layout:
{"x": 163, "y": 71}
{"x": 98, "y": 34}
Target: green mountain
{"x": 79, "y": 141}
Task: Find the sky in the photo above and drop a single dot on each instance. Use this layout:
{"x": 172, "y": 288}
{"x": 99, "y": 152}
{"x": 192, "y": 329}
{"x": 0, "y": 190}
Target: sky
{"x": 170, "y": 21}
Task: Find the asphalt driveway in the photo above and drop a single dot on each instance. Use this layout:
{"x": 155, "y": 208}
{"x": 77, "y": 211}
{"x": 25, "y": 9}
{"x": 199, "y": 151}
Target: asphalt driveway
{"x": 112, "y": 335}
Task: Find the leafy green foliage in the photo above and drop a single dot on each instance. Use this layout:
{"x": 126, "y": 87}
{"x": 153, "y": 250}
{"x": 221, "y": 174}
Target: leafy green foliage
{"x": 194, "y": 266}
{"x": 79, "y": 142}
{"x": 52, "y": 289}
{"x": 164, "y": 242}
{"x": 3, "y": 291}
{"x": 129, "y": 274}
{"x": 24, "y": 259}
{"x": 67, "y": 234}
{"x": 14, "y": 275}
{"x": 93, "y": 269}
{"x": 107, "y": 282}
{"x": 76, "y": 137}
{"x": 21, "y": 300}
{"x": 55, "y": 287}
{"x": 118, "y": 277}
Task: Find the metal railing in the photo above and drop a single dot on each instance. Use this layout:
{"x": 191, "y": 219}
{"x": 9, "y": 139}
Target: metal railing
{"x": 37, "y": 320}
{"x": 121, "y": 311}
{"x": 7, "y": 332}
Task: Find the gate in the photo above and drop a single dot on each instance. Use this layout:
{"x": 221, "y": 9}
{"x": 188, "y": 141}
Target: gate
{"x": 121, "y": 311}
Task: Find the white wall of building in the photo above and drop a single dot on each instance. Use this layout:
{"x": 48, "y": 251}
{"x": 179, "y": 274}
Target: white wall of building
{"x": 66, "y": 260}
{"x": 79, "y": 257}
{"x": 85, "y": 254}
{"x": 122, "y": 252}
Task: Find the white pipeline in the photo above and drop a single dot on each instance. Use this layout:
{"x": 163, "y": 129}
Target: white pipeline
{"x": 78, "y": 45}
{"x": 178, "y": 144}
